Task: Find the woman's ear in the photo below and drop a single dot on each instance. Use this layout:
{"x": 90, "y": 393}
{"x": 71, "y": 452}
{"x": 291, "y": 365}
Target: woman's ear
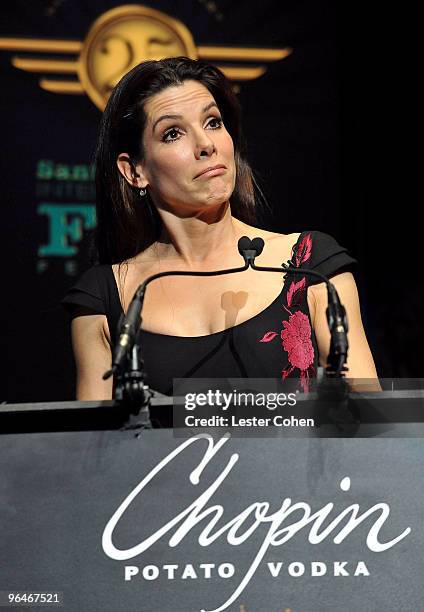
{"x": 133, "y": 173}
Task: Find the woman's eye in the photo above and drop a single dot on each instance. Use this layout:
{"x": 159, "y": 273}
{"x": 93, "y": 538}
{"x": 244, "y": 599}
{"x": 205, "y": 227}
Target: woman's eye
{"x": 214, "y": 123}
{"x": 171, "y": 135}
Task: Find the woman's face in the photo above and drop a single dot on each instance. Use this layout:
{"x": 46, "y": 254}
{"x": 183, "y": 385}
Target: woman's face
{"x": 188, "y": 154}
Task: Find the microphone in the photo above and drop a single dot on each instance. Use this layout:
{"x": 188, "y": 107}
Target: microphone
{"x": 128, "y": 329}
{"x": 244, "y": 244}
{"x": 338, "y": 326}
{"x": 258, "y": 245}
{"x": 250, "y": 249}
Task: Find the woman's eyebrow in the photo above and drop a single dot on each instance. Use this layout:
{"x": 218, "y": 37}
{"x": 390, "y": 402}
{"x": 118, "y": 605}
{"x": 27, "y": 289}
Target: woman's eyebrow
{"x": 162, "y": 117}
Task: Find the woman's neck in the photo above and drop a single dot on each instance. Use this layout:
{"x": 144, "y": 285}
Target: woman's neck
{"x": 193, "y": 241}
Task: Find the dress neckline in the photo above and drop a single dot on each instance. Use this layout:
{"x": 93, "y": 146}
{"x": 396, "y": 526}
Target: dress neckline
{"x": 214, "y": 334}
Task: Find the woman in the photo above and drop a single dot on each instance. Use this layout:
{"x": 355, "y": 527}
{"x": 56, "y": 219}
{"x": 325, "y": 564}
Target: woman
{"x": 174, "y": 192}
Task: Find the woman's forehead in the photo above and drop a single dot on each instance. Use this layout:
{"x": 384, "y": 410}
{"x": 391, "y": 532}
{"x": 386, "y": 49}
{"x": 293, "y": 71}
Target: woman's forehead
{"x": 178, "y": 100}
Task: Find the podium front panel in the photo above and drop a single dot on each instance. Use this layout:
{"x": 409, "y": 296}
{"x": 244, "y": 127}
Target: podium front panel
{"x": 267, "y": 525}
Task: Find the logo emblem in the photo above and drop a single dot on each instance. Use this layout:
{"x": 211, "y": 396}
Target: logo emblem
{"x": 119, "y": 40}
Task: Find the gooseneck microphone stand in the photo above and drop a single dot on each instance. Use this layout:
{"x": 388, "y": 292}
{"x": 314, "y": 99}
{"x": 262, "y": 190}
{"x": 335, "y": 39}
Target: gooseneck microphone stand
{"x": 128, "y": 365}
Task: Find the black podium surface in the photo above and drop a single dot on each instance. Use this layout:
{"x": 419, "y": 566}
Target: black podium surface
{"x": 144, "y": 521}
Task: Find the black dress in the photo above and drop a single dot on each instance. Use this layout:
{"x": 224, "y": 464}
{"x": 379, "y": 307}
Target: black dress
{"x": 277, "y": 342}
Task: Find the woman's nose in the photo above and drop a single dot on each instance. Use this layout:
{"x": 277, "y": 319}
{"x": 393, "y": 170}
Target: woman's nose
{"x": 205, "y": 147}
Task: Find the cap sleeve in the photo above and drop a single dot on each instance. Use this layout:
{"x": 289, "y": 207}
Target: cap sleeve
{"x": 86, "y": 292}
{"x": 327, "y": 256}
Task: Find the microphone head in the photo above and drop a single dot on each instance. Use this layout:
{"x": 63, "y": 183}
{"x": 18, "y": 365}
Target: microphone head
{"x": 244, "y": 244}
{"x": 258, "y": 245}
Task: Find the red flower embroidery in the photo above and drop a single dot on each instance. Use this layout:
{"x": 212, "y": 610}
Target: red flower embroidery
{"x": 295, "y": 293}
{"x": 296, "y": 332}
{"x": 296, "y": 337}
{"x": 268, "y": 336}
{"x": 304, "y": 250}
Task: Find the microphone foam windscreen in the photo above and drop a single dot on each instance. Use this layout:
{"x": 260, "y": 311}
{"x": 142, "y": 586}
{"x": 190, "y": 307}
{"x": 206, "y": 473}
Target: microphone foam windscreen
{"x": 244, "y": 244}
{"x": 258, "y": 245}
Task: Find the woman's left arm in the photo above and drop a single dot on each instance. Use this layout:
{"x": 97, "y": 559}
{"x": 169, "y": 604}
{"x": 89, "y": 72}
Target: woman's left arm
{"x": 360, "y": 362}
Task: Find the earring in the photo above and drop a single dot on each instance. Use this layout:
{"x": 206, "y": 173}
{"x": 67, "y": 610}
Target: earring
{"x": 143, "y": 191}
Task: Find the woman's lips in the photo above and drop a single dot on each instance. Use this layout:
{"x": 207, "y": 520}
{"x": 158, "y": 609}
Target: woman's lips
{"x": 212, "y": 171}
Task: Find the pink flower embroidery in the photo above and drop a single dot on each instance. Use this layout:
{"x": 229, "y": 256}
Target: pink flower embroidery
{"x": 296, "y": 332}
{"x": 296, "y": 337}
{"x": 295, "y": 293}
{"x": 304, "y": 250}
{"x": 269, "y": 336}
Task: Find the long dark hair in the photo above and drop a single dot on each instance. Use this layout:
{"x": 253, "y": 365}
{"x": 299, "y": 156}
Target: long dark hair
{"x": 126, "y": 224}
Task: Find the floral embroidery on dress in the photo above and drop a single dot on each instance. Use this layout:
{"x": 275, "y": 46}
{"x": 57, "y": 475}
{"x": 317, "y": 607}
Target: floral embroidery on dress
{"x": 296, "y": 332}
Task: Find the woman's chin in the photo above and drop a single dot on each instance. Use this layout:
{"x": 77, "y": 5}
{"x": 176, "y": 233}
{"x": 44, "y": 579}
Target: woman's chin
{"x": 212, "y": 202}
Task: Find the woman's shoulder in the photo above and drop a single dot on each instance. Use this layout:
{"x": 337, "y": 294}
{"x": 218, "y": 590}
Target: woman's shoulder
{"x": 91, "y": 279}
{"x": 277, "y": 242}
{"x": 318, "y": 240}
{"x": 323, "y": 253}
{"x": 137, "y": 268}
{"x": 90, "y": 288}
{"x": 130, "y": 273}
{"x": 309, "y": 248}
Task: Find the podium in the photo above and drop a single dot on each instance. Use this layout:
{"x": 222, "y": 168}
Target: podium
{"x": 142, "y": 520}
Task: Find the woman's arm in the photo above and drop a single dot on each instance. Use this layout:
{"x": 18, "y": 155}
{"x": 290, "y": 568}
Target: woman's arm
{"x": 360, "y": 361}
{"x": 93, "y": 356}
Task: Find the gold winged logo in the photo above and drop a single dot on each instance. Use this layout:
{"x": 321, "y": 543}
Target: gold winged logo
{"x": 117, "y": 41}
